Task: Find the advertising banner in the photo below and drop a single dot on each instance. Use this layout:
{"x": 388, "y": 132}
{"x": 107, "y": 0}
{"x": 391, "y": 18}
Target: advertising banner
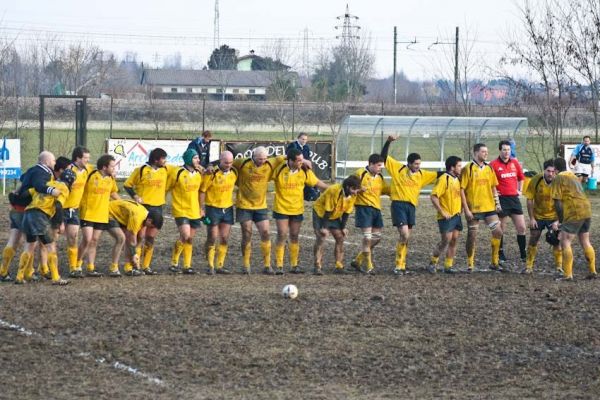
{"x": 10, "y": 158}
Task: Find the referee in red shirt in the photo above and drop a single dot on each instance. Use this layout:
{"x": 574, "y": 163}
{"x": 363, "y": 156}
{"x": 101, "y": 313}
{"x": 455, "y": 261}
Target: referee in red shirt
{"x": 510, "y": 182}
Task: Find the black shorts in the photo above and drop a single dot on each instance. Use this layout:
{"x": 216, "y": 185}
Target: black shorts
{"x": 544, "y": 224}
{"x": 158, "y": 209}
{"x": 450, "y": 225}
{"x": 319, "y": 224}
{"x": 368, "y": 217}
{"x": 193, "y": 223}
{"x": 403, "y": 213}
{"x": 511, "y": 205}
{"x": 481, "y": 216}
{"x": 36, "y": 225}
{"x": 99, "y": 226}
{"x": 16, "y": 219}
{"x": 576, "y": 227}
{"x": 243, "y": 215}
{"x": 219, "y": 215}
{"x": 299, "y": 217}
{"x": 71, "y": 216}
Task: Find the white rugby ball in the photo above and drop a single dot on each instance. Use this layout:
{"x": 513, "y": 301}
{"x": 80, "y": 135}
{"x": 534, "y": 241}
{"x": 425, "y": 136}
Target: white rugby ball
{"x": 290, "y": 291}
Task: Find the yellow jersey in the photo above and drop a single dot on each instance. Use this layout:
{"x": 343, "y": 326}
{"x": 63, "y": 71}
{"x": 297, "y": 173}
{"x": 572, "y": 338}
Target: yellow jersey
{"x": 253, "y": 182}
{"x": 289, "y": 189}
{"x": 185, "y": 189}
{"x": 218, "y": 187}
{"x": 81, "y": 175}
{"x": 375, "y": 186}
{"x": 478, "y": 183}
{"x": 447, "y": 190}
{"x": 46, "y": 202}
{"x": 406, "y": 185}
{"x": 334, "y": 202}
{"x": 567, "y": 188}
{"x": 149, "y": 183}
{"x": 129, "y": 214}
{"x": 540, "y": 192}
{"x": 96, "y": 196}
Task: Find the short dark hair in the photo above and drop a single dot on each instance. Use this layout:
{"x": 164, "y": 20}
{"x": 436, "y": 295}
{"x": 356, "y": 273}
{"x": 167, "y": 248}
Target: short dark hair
{"x": 103, "y": 161}
{"x": 156, "y": 154}
{"x": 352, "y": 181}
{"x": 452, "y": 161}
{"x": 293, "y": 153}
{"x": 503, "y": 143}
{"x": 301, "y": 134}
{"x": 207, "y": 134}
{"x": 587, "y": 137}
{"x": 549, "y": 163}
{"x": 62, "y": 163}
{"x": 478, "y": 146}
{"x": 78, "y": 152}
{"x": 376, "y": 159}
{"x": 412, "y": 157}
{"x": 560, "y": 164}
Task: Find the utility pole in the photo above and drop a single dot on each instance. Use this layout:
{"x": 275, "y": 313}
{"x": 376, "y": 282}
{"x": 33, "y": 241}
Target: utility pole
{"x": 455, "y": 43}
{"x": 396, "y": 42}
{"x": 349, "y": 34}
{"x": 456, "y": 69}
{"x": 216, "y": 38}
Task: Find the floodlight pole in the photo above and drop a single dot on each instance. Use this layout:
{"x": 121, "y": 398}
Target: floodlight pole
{"x": 396, "y": 42}
{"x": 456, "y": 68}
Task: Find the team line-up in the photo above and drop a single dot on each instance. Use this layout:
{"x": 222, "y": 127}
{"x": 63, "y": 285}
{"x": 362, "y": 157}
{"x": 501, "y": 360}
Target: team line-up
{"x": 68, "y": 196}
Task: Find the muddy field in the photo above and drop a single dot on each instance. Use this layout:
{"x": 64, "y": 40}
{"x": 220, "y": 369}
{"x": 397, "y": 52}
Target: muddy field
{"x": 483, "y": 335}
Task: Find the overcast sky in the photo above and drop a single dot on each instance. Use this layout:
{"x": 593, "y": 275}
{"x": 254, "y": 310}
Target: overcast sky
{"x": 157, "y": 29}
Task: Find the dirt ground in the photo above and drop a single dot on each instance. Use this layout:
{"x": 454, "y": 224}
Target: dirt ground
{"x": 485, "y": 335}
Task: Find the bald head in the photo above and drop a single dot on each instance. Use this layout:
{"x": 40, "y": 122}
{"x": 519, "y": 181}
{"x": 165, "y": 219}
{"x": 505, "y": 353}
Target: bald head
{"x": 259, "y": 155}
{"x": 47, "y": 158}
{"x": 226, "y": 160}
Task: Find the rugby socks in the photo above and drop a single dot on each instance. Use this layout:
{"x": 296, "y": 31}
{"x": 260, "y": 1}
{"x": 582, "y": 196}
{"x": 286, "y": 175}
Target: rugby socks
{"x": 53, "y": 266}
{"x": 495, "y": 250}
{"x": 279, "y": 253}
{"x": 558, "y": 258}
{"x": 43, "y": 269}
{"x": 221, "y": 254}
{"x": 265, "y": 248}
{"x": 187, "y": 255}
{"x": 360, "y": 258}
{"x": 210, "y": 256}
{"x": 7, "y": 256}
{"x": 91, "y": 267}
{"x": 79, "y": 263}
{"x": 448, "y": 263}
{"x": 401, "y": 256}
{"x": 471, "y": 258}
{"x": 434, "y": 260}
{"x": 368, "y": 261}
{"x": 128, "y": 267}
{"x": 177, "y": 249}
{"x": 148, "y": 251}
{"x": 246, "y": 254}
{"x": 294, "y": 251}
{"x": 339, "y": 265}
{"x": 29, "y": 271}
{"x": 23, "y": 266}
{"x": 568, "y": 262}
{"x": 590, "y": 256}
{"x": 114, "y": 267}
{"x": 522, "y": 242}
{"x": 72, "y": 256}
{"x": 531, "y": 253}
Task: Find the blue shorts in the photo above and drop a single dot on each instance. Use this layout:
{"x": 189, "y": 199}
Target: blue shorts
{"x": 243, "y": 215}
{"x": 544, "y": 224}
{"x": 71, "y": 216}
{"x": 16, "y": 219}
{"x": 368, "y": 217}
{"x": 36, "y": 224}
{"x": 481, "y": 216}
{"x": 403, "y": 213}
{"x": 193, "y": 223}
{"x": 156, "y": 209}
{"x": 318, "y": 223}
{"x": 450, "y": 225}
{"x": 299, "y": 217}
{"x": 219, "y": 215}
{"x": 113, "y": 223}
